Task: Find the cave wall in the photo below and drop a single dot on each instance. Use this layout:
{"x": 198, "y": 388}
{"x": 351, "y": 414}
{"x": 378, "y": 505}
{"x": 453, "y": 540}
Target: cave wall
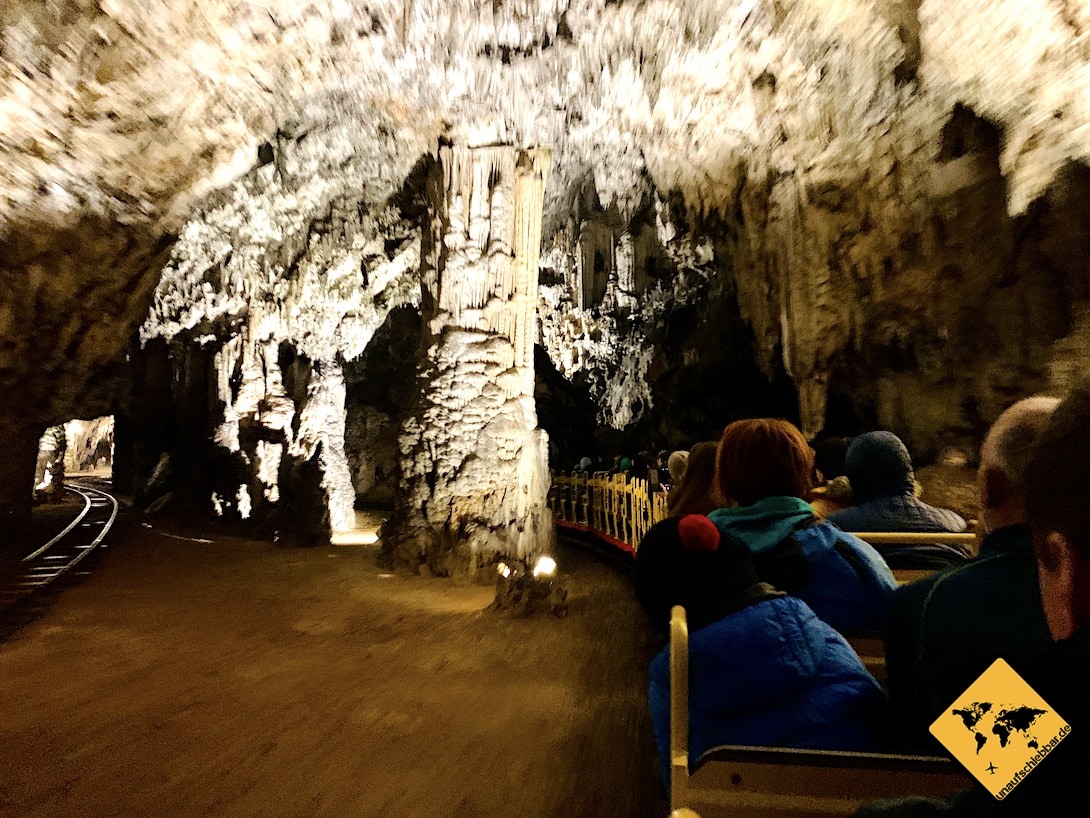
{"x": 210, "y": 138}
{"x": 90, "y": 444}
{"x": 273, "y": 292}
{"x": 381, "y": 390}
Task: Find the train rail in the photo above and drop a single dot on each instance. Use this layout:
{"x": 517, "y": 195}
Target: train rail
{"x": 66, "y": 550}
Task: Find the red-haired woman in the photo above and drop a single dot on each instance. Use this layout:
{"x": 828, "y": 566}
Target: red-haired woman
{"x": 764, "y": 469}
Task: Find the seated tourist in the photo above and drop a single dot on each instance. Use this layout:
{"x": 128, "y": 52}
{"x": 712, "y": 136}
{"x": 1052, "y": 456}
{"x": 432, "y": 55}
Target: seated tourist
{"x": 764, "y": 470}
{"x": 1057, "y": 499}
{"x": 676, "y": 465}
{"x": 763, "y": 669}
{"x": 883, "y": 488}
{"x": 696, "y": 492}
{"x": 945, "y": 630}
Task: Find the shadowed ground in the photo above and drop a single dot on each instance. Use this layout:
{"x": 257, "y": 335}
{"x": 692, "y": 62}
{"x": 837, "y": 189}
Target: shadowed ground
{"x": 240, "y": 678}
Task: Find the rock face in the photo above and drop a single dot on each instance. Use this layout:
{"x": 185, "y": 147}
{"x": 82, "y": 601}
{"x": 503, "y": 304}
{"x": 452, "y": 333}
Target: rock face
{"x": 49, "y": 470}
{"x": 90, "y": 444}
{"x": 872, "y": 200}
{"x": 270, "y": 292}
{"x": 474, "y": 466}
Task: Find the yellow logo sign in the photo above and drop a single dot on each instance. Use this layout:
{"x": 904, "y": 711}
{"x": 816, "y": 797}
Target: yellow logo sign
{"x": 1000, "y": 729}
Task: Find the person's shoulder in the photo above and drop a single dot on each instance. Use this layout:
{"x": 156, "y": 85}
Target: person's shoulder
{"x": 745, "y": 620}
{"x": 920, "y": 516}
{"x": 862, "y": 516}
{"x": 829, "y": 532}
{"x": 843, "y": 516}
{"x": 913, "y": 594}
{"x": 953, "y": 522}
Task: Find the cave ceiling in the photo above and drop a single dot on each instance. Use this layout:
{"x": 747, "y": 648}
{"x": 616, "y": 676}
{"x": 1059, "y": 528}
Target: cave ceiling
{"x": 121, "y": 119}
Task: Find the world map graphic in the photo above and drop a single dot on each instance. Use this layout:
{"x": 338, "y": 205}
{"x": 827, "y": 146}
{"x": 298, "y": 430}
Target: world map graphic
{"x": 984, "y": 720}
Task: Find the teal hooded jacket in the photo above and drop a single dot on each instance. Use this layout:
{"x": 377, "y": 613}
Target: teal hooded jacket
{"x": 843, "y": 579}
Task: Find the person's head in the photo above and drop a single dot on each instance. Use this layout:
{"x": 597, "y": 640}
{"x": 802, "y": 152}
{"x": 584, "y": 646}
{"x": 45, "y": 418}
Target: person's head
{"x": 878, "y": 465}
{"x": 763, "y": 457}
{"x": 1057, "y": 498}
{"x": 685, "y": 561}
{"x": 676, "y": 465}
{"x": 695, "y": 492}
{"x": 1004, "y": 456}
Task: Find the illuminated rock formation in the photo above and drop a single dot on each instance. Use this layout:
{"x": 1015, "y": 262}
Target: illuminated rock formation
{"x": 49, "y": 471}
{"x": 887, "y": 194}
{"x": 474, "y": 465}
{"x": 90, "y": 444}
{"x": 274, "y": 286}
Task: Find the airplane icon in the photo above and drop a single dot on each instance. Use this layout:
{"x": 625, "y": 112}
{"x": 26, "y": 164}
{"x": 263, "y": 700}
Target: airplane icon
{"x": 991, "y": 768}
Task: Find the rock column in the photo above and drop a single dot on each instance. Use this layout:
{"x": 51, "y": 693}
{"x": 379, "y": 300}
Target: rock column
{"x": 474, "y": 467}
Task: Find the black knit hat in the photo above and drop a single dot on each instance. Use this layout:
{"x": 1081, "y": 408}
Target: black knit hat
{"x": 686, "y": 561}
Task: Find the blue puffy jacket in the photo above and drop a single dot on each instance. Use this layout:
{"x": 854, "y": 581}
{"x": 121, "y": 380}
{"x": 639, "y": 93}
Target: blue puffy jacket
{"x": 771, "y": 674}
{"x": 843, "y": 579}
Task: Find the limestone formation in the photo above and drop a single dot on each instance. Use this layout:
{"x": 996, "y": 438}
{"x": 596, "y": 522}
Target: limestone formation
{"x": 281, "y": 280}
{"x": 877, "y": 199}
{"x": 89, "y": 444}
{"x": 474, "y": 465}
{"x": 49, "y": 471}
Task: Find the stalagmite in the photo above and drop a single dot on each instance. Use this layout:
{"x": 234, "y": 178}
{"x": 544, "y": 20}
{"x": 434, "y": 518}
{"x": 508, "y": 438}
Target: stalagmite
{"x": 474, "y": 464}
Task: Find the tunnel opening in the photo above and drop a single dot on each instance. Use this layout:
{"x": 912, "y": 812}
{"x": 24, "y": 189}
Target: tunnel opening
{"x": 75, "y": 449}
{"x": 90, "y": 450}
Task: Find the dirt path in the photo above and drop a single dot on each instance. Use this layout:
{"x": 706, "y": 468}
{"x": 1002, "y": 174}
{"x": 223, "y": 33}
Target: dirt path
{"x": 238, "y": 678}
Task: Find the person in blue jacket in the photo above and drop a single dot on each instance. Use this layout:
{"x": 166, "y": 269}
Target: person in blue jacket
{"x": 765, "y": 468}
{"x": 879, "y": 468}
{"x": 763, "y": 669}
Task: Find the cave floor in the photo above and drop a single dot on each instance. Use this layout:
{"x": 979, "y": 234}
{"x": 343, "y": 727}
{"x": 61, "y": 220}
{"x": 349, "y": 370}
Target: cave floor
{"x": 241, "y": 678}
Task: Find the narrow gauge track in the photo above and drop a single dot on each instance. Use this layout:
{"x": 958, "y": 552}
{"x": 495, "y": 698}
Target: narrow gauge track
{"x": 66, "y": 550}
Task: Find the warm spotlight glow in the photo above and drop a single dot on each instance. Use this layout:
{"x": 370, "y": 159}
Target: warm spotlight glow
{"x": 504, "y": 570}
{"x": 546, "y": 567}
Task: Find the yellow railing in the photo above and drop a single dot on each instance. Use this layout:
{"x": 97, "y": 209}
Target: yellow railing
{"x": 621, "y": 509}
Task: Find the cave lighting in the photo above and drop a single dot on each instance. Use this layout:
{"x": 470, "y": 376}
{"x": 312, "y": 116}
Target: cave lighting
{"x": 546, "y": 567}
{"x": 504, "y": 570}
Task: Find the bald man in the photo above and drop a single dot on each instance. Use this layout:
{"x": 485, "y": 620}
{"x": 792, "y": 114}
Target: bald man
{"x": 945, "y": 630}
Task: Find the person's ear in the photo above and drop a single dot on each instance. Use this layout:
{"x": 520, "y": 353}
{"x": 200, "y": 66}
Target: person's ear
{"x": 1057, "y": 574}
{"x": 995, "y": 488}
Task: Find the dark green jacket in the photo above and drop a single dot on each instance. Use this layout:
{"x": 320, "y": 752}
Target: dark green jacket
{"x": 946, "y": 630}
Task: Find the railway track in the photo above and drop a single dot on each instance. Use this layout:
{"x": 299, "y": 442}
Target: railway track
{"x": 65, "y": 551}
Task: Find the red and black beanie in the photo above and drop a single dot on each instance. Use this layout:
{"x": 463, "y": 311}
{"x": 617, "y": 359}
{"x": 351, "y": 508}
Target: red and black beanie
{"x": 687, "y": 561}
